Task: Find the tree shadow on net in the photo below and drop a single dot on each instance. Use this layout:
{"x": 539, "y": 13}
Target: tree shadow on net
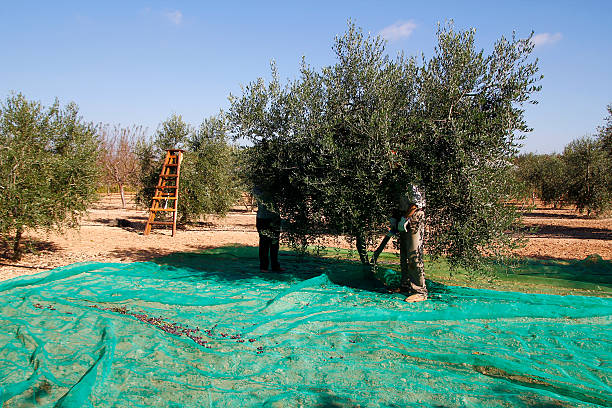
{"x": 592, "y": 269}
{"x": 236, "y": 263}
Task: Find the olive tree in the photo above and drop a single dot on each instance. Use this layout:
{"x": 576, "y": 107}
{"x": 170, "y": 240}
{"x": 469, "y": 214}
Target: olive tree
{"x": 605, "y": 139}
{"x": 527, "y": 171}
{"x": 48, "y": 167}
{"x": 209, "y": 174}
{"x": 588, "y": 175}
{"x": 553, "y": 185}
{"x": 605, "y": 133}
{"x": 336, "y": 147}
{"x": 208, "y": 182}
{"x": 544, "y": 176}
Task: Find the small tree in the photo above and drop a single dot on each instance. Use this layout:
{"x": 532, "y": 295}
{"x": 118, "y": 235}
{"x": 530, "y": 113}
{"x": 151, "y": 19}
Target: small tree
{"x": 48, "y": 167}
{"x": 208, "y": 182}
{"x": 587, "y": 174}
{"x": 118, "y": 157}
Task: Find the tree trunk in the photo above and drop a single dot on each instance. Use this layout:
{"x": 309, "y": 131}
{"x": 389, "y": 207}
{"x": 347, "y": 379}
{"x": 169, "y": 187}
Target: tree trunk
{"x": 362, "y": 250}
{"x": 122, "y": 195}
{"x": 17, "y": 244}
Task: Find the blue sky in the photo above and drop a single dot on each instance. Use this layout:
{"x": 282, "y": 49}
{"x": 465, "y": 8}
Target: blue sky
{"x": 137, "y": 62}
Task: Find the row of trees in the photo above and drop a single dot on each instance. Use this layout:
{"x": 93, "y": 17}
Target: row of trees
{"x": 52, "y": 162}
{"x": 580, "y": 176}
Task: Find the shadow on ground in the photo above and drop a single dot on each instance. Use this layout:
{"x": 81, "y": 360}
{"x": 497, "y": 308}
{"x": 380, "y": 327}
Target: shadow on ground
{"x": 139, "y": 254}
{"x": 543, "y": 214}
{"x": 593, "y": 269}
{"x": 27, "y": 246}
{"x": 561, "y": 231}
{"x": 234, "y": 263}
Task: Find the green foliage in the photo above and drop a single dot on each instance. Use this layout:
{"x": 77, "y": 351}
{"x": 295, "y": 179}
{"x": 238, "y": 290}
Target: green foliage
{"x": 554, "y": 184}
{"x": 464, "y": 143}
{"x": 544, "y": 176}
{"x": 48, "y": 171}
{"x": 605, "y": 133}
{"x": 335, "y": 148}
{"x": 527, "y": 172}
{"x": 208, "y": 182}
{"x": 587, "y": 175}
{"x": 605, "y": 139}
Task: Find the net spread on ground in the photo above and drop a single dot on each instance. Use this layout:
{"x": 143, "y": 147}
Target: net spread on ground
{"x": 210, "y": 330}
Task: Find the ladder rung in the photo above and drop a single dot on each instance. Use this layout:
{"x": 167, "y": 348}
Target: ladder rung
{"x": 166, "y": 186}
{"x": 164, "y": 198}
{"x": 161, "y": 223}
{"x": 171, "y": 165}
{"x": 168, "y": 175}
{"x": 163, "y": 209}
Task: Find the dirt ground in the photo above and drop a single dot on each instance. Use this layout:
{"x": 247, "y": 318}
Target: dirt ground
{"x": 109, "y": 233}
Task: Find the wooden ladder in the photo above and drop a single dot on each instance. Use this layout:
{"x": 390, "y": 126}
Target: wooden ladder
{"x": 166, "y": 191}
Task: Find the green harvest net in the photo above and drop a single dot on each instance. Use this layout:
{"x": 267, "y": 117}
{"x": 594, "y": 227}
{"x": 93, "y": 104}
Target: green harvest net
{"x": 210, "y": 330}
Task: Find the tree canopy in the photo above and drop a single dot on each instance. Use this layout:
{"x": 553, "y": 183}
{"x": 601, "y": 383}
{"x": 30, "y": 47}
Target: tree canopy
{"x": 336, "y": 147}
{"x": 48, "y": 166}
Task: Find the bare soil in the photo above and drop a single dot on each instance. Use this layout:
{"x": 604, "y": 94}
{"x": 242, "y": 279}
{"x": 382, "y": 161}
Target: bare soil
{"x": 109, "y": 233}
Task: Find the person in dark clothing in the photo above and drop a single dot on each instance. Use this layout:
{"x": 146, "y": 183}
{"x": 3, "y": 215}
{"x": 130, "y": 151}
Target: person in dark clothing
{"x": 268, "y": 224}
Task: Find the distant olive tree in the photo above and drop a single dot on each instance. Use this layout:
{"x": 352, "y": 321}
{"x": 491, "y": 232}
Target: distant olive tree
{"x": 528, "y": 173}
{"x": 605, "y": 133}
{"x": 588, "y": 175}
{"x": 170, "y": 134}
{"x": 605, "y": 139}
{"x": 554, "y": 184}
{"x": 48, "y": 167}
{"x": 209, "y": 177}
{"x": 544, "y": 176}
{"x": 336, "y": 147}
{"x": 118, "y": 158}
{"x": 208, "y": 182}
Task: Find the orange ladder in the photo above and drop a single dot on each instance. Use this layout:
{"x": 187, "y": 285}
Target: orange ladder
{"x": 167, "y": 190}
